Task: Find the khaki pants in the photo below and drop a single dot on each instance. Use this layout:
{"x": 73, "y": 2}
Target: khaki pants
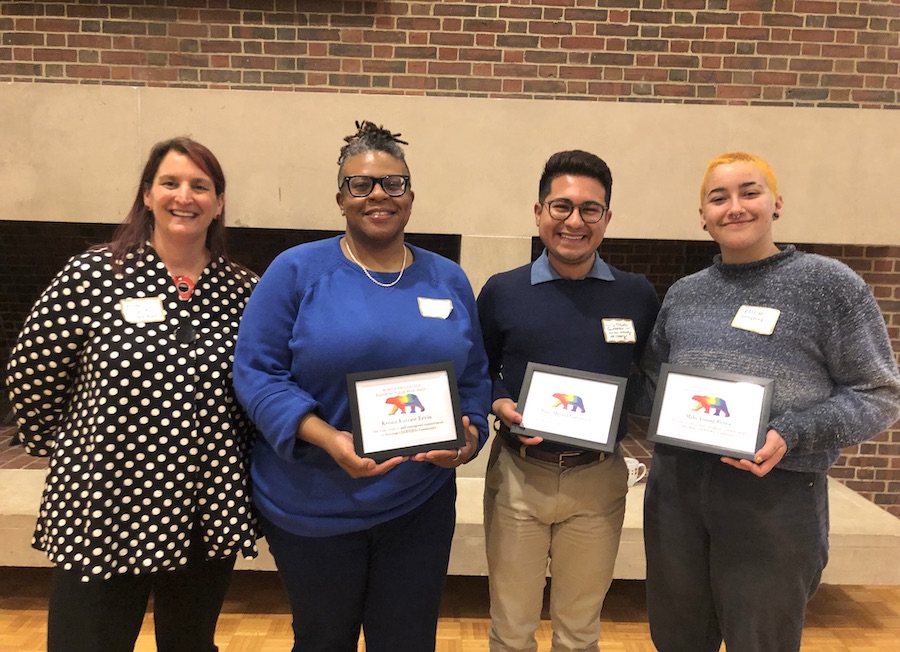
{"x": 535, "y": 512}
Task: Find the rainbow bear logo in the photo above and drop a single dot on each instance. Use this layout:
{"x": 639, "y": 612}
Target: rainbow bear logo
{"x": 707, "y": 403}
{"x": 565, "y": 400}
{"x": 405, "y": 401}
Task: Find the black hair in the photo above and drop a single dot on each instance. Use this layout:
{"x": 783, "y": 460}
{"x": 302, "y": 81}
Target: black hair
{"x": 578, "y": 163}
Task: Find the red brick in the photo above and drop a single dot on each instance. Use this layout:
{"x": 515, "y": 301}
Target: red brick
{"x": 878, "y": 38}
{"x": 481, "y": 25}
{"x": 386, "y": 37}
{"x": 385, "y": 66}
{"x": 520, "y": 13}
{"x": 413, "y": 82}
{"x": 737, "y": 92}
{"x": 877, "y": 67}
{"x": 545, "y": 27}
{"x": 747, "y": 33}
{"x": 710, "y": 76}
{"x": 885, "y": 97}
{"x": 814, "y": 7}
{"x": 448, "y": 68}
{"x": 581, "y": 72}
{"x": 813, "y": 35}
{"x": 582, "y": 42}
{"x": 189, "y": 30}
{"x": 847, "y": 81}
{"x": 419, "y": 24}
{"x": 675, "y": 90}
{"x": 544, "y": 87}
{"x": 87, "y": 72}
{"x": 279, "y": 49}
{"x": 616, "y": 30}
{"x": 23, "y": 38}
{"x": 811, "y": 65}
{"x": 480, "y": 85}
{"x": 442, "y": 38}
{"x": 774, "y": 78}
{"x": 687, "y": 4}
{"x": 588, "y": 15}
{"x": 678, "y": 61}
{"x": 479, "y": 54}
{"x": 688, "y": 32}
{"x": 407, "y": 52}
{"x": 886, "y": 9}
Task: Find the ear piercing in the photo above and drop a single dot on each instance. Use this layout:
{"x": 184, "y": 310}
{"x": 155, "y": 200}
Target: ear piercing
{"x": 775, "y": 216}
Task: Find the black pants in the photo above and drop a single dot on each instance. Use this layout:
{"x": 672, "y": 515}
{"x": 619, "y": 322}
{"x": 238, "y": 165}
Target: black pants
{"x": 387, "y": 579}
{"x": 106, "y": 615}
{"x": 731, "y": 555}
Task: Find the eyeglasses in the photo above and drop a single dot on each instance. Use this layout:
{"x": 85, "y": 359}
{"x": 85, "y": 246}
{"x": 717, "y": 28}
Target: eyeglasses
{"x": 394, "y": 185}
{"x": 591, "y": 212}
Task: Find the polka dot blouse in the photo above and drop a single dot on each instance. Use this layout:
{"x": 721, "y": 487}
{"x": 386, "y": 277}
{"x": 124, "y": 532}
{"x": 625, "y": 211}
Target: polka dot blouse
{"x": 146, "y": 438}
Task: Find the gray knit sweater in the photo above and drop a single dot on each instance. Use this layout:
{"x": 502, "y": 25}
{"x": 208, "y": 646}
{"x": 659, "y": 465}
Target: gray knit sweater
{"x": 836, "y": 379}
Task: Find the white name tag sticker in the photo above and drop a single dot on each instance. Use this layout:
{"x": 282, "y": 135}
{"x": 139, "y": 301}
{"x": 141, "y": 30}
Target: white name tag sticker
{"x": 756, "y": 319}
{"x": 619, "y": 331}
{"x": 435, "y": 308}
{"x": 143, "y": 311}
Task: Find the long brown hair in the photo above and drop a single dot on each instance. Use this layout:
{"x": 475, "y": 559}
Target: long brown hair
{"x": 137, "y": 228}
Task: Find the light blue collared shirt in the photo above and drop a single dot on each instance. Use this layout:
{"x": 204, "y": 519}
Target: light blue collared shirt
{"x": 542, "y": 271}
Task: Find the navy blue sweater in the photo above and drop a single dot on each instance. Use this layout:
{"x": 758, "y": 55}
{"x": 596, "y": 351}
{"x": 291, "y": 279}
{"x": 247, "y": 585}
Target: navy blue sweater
{"x": 558, "y": 322}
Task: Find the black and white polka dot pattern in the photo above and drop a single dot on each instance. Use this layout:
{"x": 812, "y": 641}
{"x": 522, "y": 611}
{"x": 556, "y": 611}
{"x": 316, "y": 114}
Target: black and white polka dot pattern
{"x": 145, "y": 435}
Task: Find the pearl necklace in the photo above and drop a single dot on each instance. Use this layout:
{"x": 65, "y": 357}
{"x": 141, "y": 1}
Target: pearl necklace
{"x": 372, "y": 278}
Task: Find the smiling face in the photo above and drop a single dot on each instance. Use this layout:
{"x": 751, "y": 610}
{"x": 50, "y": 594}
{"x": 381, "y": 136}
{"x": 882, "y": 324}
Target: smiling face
{"x": 737, "y": 210}
{"x": 571, "y": 243}
{"x": 182, "y": 199}
{"x": 377, "y": 219}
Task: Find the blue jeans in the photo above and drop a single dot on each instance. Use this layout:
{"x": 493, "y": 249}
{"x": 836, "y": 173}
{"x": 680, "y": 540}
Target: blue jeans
{"x": 729, "y": 555}
{"x": 387, "y": 579}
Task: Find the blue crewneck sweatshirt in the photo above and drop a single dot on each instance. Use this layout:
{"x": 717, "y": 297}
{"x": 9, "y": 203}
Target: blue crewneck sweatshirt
{"x": 315, "y": 318}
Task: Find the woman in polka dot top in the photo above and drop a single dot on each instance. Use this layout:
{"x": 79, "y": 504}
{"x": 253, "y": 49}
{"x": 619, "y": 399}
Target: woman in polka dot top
{"x": 122, "y": 375}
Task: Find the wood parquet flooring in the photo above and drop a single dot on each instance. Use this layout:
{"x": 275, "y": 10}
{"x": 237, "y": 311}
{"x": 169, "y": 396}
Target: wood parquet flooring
{"x": 256, "y": 617}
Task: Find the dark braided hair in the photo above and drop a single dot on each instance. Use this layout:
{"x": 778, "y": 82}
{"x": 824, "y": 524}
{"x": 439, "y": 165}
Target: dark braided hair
{"x": 370, "y": 137}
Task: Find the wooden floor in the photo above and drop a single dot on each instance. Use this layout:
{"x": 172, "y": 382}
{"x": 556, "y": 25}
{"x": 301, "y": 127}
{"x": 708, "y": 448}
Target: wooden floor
{"x": 256, "y": 617}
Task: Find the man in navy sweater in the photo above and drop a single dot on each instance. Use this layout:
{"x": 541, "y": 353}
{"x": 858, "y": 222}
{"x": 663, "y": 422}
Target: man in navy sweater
{"x": 543, "y": 500}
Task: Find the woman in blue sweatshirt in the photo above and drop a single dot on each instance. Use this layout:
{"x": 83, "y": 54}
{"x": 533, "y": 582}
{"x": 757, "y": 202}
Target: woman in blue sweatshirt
{"x": 357, "y": 543}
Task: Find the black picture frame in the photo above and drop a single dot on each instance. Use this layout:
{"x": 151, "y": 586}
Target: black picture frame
{"x": 675, "y": 422}
{"x": 542, "y": 418}
{"x": 380, "y": 433}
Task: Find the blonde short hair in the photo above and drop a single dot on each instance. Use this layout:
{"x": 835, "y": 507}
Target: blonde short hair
{"x": 740, "y": 157}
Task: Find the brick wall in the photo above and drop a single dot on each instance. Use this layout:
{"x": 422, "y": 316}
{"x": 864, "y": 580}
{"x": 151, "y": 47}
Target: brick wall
{"x": 828, "y": 53}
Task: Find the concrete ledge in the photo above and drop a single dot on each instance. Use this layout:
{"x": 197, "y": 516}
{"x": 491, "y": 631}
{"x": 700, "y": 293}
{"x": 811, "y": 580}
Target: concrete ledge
{"x": 865, "y": 540}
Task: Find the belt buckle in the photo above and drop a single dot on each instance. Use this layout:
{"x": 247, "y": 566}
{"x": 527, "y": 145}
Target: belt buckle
{"x": 564, "y": 455}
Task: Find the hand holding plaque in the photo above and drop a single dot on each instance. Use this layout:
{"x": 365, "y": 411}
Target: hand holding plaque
{"x": 572, "y": 407}
{"x": 720, "y": 413}
{"x": 405, "y": 411}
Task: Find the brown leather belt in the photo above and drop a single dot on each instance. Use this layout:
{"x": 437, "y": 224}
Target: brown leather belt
{"x": 564, "y": 460}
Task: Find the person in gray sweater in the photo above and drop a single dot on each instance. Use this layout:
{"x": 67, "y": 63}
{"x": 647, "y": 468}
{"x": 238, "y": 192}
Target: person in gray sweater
{"x": 736, "y": 548}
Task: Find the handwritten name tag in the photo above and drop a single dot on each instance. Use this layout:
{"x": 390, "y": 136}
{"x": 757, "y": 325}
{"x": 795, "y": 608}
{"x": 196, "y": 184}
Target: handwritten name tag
{"x": 756, "y": 319}
{"x": 143, "y": 311}
{"x": 618, "y": 331}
